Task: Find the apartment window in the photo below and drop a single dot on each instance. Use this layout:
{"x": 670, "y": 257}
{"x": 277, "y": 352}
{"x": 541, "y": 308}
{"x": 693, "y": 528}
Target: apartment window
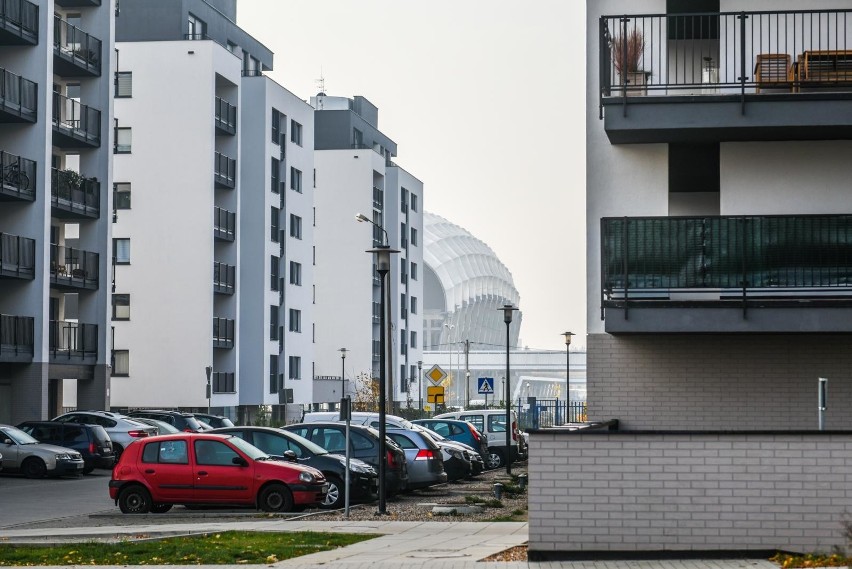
{"x": 413, "y": 202}
{"x": 403, "y": 233}
{"x": 273, "y": 374}
{"x": 273, "y": 322}
{"x": 121, "y": 251}
{"x": 414, "y": 305}
{"x": 120, "y": 363}
{"x": 295, "y": 273}
{"x": 276, "y": 127}
{"x": 414, "y": 339}
{"x": 403, "y": 272}
{"x": 121, "y": 195}
{"x": 403, "y": 340}
{"x": 196, "y": 28}
{"x": 121, "y": 307}
{"x": 414, "y": 271}
{"x": 123, "y": 84}
{"x": 295, "y": 180}
{"x": 357, "y": 138}
{"x": 274, "y": 228}
{"x": 403, "y": 200}
{"x": 274, "y": 272}
{"x": 274, "y": 176}
{"x": 403, "y": 305}
{"x": 295, "y": 367}
{"x": 413, "y": 237}
{"x": 295, "y": 132}
{"x": 295, "y": 320}
{"x": 295, "y": 226}
{"x": 413, "y": 374}
{"x": 123, "y": 139}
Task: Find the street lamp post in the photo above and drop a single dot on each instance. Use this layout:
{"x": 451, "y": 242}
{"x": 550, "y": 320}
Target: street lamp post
{"x": 342, "y": 372}
{"x": 507, "y": 318}
{"x": 209, "y": 371}
{"x": 420, "y": 384}
{"x": 567, "y": 375}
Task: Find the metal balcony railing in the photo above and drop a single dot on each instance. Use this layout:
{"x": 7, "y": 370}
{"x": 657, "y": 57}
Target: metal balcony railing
{"x": 224, "y": 278}
{"x": 74, "y": 267}
{"x": 648, "y": 257}
{"x": 714, "y": 53}
{"x": 17, "y": 96}
{"x": 16, "y": 337}
{"x": 76, "y": 121}
{"x": 18, "y": 176}
{"x": 73, "y": 340}
{"x": 74, "y": 194}
{"x": 224, "y": 171}
{"x": 224, "y": 224}
{"x": 225, "y": 116}
{"x": 224, "y": 382}
{"x": 20, "y": 17}
{"x": 223, "y": 332}
{"x": 77, "y": 47}
{"x": 17, "y": 256}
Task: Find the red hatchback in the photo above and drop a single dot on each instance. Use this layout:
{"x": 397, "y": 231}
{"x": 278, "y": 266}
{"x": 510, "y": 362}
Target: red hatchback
{"x": 194, "y": 468}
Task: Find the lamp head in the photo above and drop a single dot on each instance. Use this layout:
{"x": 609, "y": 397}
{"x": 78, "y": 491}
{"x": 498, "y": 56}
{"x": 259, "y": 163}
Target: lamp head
{"x": 343, "y": 352}
{"x": 507, "y": 312}
{"x": 383, "y": 258}
{"x": 360, "y": 217}
{"x": 567, "y": 337}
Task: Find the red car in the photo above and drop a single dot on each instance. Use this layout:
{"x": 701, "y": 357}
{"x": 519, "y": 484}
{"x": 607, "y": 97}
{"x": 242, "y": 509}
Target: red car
{"x": 194, "y": 468}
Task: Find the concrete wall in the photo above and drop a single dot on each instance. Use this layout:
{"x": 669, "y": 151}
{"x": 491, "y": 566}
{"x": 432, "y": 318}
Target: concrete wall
{"x": 621, "y": 492}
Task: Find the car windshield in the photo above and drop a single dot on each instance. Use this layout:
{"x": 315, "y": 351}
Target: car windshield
{"x": 18, "y": 436}
{"x": 311, "y": 446}
{"x": 252, "y": 451}
{"x": 433, "y": 434}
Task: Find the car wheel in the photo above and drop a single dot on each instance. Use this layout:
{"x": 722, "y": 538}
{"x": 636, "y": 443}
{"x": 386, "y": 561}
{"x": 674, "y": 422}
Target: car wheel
{"x": 160, "y": 508}
{"x": 335, "y": 497}
{"x": 494, "y": 459}
{"x": 134, "y": 499}
{"x": 275, "y": 498}
{"x": 34, "y": 468}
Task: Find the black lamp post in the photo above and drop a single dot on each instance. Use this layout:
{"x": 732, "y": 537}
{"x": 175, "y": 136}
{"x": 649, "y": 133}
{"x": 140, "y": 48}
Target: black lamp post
{"x": 342, "y": 372}
{"x": 567, "y": 375}
{"x": 420, "y": 385}
{"x": 507, "y": 318}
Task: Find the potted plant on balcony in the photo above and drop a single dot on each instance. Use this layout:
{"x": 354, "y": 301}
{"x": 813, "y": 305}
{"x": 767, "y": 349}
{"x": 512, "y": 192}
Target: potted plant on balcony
{"x": 627, "y": 53}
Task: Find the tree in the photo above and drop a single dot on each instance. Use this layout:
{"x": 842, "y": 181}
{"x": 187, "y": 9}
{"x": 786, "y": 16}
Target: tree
{"x": 366, "y": 393}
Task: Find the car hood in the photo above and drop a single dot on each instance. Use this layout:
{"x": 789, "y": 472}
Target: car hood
{"x": 45, "y": 449}
{"x": 352, "y": 460}
{"x": 289, "y": 465}
{"x": 456, "y": 445}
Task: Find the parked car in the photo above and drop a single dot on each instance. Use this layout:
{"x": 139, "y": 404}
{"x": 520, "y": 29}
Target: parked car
{"x": 492, "y": 423}
{"x": 91, "y": 441}
{"x": 460, "y": 460}
{"x": 122, "y": 430}
{"x": 424, "y": 458}
{"x": 204, "y": 468}
{"x": 185, "y": 422}
{"x": 364, "y": 445}
{"x": 278, "y": 443}
{"x": 461, "y": 431}
{"x": 22, "y": 453}
{"x": 215, "y": 421}
{"x": 162, "y": 427}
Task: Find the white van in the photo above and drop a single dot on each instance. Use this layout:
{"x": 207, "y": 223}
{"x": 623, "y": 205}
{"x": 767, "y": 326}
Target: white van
{"x": 492, "y": 423}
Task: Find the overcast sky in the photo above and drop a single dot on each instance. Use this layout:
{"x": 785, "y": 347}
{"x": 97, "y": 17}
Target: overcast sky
{"x": 485, "y": 100}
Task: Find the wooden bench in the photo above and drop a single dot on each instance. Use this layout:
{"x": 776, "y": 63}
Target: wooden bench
{"x": 773, "y": 71}
{"x": 824, "y": 68}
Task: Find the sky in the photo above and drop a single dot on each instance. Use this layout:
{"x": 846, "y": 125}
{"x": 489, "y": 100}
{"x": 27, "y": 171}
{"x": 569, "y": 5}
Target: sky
{"x": 485, "y": 100}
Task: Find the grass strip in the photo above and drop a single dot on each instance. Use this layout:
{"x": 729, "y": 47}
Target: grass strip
{"x": 231, "y": 547}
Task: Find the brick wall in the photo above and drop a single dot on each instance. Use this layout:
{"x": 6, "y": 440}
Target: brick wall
{"x": 736, "y": 382}
{"x": 635, "y": 491}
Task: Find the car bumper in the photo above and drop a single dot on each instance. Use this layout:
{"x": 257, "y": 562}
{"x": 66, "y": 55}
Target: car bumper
{"x": 306, "y": 494}
{"x": 106, "y": 462}
{"x": 364, "y": 487}
{"x": 456, "y": 468}
{"x": 68, "y": 467}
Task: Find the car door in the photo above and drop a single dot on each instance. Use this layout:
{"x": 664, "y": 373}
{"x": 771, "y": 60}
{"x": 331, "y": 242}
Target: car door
{"x": 11, "y": 452}
{"x": 165, "y": 467}
{"x": 217, "y": 478}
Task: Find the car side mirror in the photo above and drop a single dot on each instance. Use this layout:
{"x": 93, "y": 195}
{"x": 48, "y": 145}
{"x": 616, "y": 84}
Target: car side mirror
{"x": 7, "y": 441}
{"x": 290, "y": 456}
{"x": 239, "y": 461}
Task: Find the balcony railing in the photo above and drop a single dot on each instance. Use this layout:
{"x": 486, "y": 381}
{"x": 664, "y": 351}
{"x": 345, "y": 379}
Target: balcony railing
{"x": 223, "y": 332}
{"x": 73, "y": 341}
{"x": 727, "y": 257}
{"x": 224, "y": 224}
{"x": 224, "y": 278}
{"x": 17, "y": 256}
{"x": 72, "y": 195}
{"x": 726, "y": 53}
{"x": 224, "y": 171}
{"x": 18, "y": 22}
{"x": 77, "y": 3}
{"x": 17, "y": 98}
{"x": 74, "y": 268}
{"x": 224, "y": 382}
{"x": 17, "y": 178}
{"x": 76, "y": 52}
{"x": 16, "y": 338}
{"x": 226, "y": 117}
{"x": 74, "y": 124}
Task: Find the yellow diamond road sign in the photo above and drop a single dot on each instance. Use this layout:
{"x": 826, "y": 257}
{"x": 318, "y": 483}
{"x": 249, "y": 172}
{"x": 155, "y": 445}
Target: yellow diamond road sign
{"x": 436, "y": 375}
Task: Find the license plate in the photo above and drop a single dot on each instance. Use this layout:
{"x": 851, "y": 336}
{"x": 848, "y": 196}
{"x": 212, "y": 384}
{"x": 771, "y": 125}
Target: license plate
{"x": 80, "y": 466}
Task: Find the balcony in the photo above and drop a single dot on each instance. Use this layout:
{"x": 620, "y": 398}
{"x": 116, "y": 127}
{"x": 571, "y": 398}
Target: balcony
{"x": 73, "y": 196}
{"x": 75, "y": 125}
{"x": 18, "y": 178}
{"x": 75, "y": 53}
{"x": 18, "y": 22}
{"x": 738, "y": 274}
{"x": 74, "y": 269}
{"x": 78, "y": 3}
{"x": 223, "y": 333}
{"x": 718, "y": 77}
{"x": 224, "y": 171}
{"x": 17, "y": 99}
{"x": 226, "y": 117}
{"x": 73, "y": 342}
{"x": 224, "y": 278}
{"x": 224, "y": 224}
{"x": 17, "y": 257}
{"x": 224, "y": 382}
{"x": 16, "y": 338}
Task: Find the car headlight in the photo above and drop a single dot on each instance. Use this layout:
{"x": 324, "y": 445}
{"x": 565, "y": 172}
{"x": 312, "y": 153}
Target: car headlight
{"x": 455, "y": 453}
{"x": 361, "y": 468}
{"x": 305, "y": 476}
{"x": 63, "y": 456}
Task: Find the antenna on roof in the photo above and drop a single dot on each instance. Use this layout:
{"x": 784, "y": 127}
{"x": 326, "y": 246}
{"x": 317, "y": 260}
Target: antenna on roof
{"x": 321, "y": 85}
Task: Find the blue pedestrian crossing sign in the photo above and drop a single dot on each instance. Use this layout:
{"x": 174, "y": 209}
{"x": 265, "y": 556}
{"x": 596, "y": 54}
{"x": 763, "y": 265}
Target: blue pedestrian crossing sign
{"x": 486, "y": 385}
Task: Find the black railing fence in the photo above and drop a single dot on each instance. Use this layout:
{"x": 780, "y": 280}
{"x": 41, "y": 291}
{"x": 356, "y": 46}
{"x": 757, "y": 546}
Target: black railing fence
{"x": 725, "y": 52}
{"x": 74, "y": 193}
{"x": 18, "y": 175}
{"x": 16, "y": 335}
{"x": 18, "y": 94}
{"x": 73, "y": 339}
{"x": 224, "y": 224}
{"x": 226, "y": 115}
{"x": 20, "y": 14}
{"x": 69, "y": 263}
{"x": 74, "y": 43}
{"x": 80, "y": 120}
{"x": 17, "y": 256}
{"x": 224, "y": 278}
{"x": 224, "y": 170}
{"x": 223, "y": 332}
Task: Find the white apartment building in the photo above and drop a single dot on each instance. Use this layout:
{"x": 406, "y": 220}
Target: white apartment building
{"x": 56, "y": 143}
{"x": 355, "y": 174}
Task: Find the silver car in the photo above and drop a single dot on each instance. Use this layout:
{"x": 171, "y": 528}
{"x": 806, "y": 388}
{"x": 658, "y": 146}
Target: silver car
{"x": 423, "y": 455}
{"x": 122, "y": 430}
{"x": 22, "y": 453}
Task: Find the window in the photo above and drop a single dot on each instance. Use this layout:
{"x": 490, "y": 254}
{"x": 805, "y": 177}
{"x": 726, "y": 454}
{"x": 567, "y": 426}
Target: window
{"x": 273, "y": 374}
{"x": 413, "y": 237}
{"x": 357, "y": 138}
{"x": 403, "y": 340}
{"x": 274, "y": 272}
{"x": 295, "y": 226}
{"x": 413, "y": 338}
{"x": 295, "y": 273}
{"x": 295, "y": 132}
{"x": 121, "y": 251}
{"x": 295, "y": 320}
{"x": 413, "y": 202}
{"x": 121, "y": 195}
{"x": 273, "y": 322}
{"x": 276, "y": 126}
{"x": 295, "y": 366}
{"x": 404, "y": 200}
{"x": 414, "y": 271}
{"x": 121, "y": 307}
{"x": 214, "y": 453}
{"x": 274, "y": 228}
{"x": 274, "y": 176}
{"x": 123, "y": 139}
{"x": 403, "y": 234}
{"x": 414, "y": 305}
{"x": 123, "y": 84}
{"x": 295, "y": 180}
{"x": 166, "y": 452}
{"x": 196, "y": 28}
{"x": 403, "y": 272}
{"x": 121, "y": 363}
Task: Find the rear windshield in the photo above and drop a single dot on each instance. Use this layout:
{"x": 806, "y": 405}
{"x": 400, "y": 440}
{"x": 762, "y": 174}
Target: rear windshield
{"x": 99, "y": 433}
